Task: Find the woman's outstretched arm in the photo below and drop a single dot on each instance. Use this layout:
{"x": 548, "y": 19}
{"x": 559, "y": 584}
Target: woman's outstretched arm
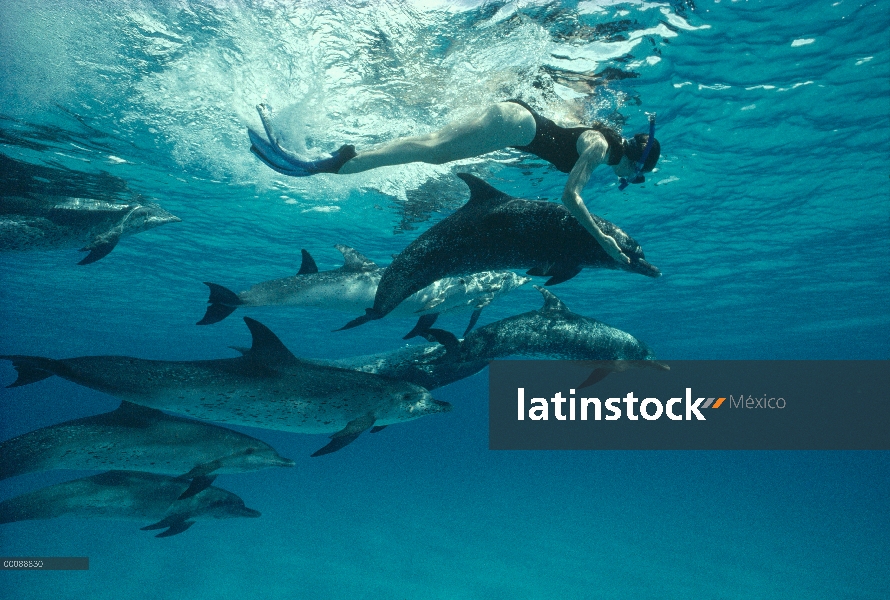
{"x": 594, "y": 150}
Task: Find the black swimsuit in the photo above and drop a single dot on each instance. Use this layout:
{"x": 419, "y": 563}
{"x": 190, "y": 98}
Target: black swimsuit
{"x": 559, "y": 145}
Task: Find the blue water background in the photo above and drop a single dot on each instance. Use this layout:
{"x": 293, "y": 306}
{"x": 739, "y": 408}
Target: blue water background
{"x": 769, "y": 216}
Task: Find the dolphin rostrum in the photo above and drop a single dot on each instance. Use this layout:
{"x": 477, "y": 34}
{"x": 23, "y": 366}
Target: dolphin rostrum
{"x": 43, "y": 222}
{"x": 267, "y": 387}
{"x": 127, "y": 495}
{"x": 352, "y": 287}
{"x": 137, "y": 438}
{"x": 553, "y": 332}
{"x": 496, "y": 231}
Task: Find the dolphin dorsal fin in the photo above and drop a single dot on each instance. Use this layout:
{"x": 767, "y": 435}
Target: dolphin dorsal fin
{"x": 482, "y": 194}
{"x": 551, "y": 302}
{"x": 129, "y": 415}
{"x": 308, "y": 266}
{"x": 267, "y": 349}
{"x": 355, "y": 261}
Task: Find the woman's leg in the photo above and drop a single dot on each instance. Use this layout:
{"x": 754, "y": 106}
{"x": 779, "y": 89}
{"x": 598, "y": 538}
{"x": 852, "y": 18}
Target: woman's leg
{"x": 499, "y": 126}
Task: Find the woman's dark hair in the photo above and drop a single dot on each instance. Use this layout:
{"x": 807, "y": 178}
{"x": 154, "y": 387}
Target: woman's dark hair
{"x": 614, "y": 139}
{"x": 633, "y": 149}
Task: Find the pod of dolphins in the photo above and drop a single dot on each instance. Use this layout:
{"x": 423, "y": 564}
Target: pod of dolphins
{"x": 160, "y": 467}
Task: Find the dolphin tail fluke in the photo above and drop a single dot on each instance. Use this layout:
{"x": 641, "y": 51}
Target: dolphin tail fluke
{"x": 423, "y": 323}
{"x": 223, "y": 302}
{"x": 176, "y": 525}
{"x": 30, "y": 369}
{"x": 216, "y": 313}
{"x": 199, "y": 484}
{"x": 347, "y": 435}
{"x": 447, "y": 339}
{"x": 473, "y": 319}
{"x": 99, "y": 249}
{"x": 370, "y": 315}
{"x": 595, "y": 377}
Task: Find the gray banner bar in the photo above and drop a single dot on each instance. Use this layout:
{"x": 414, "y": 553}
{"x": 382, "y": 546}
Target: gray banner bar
{"x": 44, "y": 563}
{"x": 757, "y": 405}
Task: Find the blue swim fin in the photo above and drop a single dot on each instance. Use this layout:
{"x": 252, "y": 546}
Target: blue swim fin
{"x": 280, "y": 159}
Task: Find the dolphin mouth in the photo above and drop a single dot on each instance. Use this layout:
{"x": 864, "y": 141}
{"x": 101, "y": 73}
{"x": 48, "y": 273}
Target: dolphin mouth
{"x": 249, "y": 512}
{"x": 443, "y": 406}
{"x": 644, "y": 267}
{"x": 166, "y": 217}
{"x": 286, "y": 462}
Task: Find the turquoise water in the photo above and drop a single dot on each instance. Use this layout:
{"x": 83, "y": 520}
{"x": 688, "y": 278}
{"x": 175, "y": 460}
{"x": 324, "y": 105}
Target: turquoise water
{"x": 768, "y": 216}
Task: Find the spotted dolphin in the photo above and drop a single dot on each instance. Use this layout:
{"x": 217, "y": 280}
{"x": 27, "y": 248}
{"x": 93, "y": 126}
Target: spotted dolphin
{"x": 42, "y": 222}
{"x": 352, "y": 287}
{"x": 496, "y": 231}
{"x": 137, "y": 438}
{"x": 552, "y": 332}
{"x": 266, "y": 387}
{"x": 129, "y": 496}
{"x": 420, "y": 364}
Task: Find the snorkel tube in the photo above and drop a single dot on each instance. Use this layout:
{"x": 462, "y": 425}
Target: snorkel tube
{"x": 637, "y": 178}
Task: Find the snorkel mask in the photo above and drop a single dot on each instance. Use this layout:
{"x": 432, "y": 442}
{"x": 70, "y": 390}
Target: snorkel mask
{"x": 638, "y": 173}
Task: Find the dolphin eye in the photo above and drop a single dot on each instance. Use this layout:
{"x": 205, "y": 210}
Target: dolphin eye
{"x": 250, "y": 451}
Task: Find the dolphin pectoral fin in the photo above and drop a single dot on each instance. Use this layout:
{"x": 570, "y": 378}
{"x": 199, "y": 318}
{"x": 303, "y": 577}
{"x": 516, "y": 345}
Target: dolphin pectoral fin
{"x": 203, "y": 470}
{"x": 307, "y": 266}
{"x": 596, "y": 376}
{"x": 199, "y": 484}
{"x": 335, "y": 444}
{"x": 559, "y": 273}
{"x": 99, "y": 248}
{"x": 347, "y": 435}
{"x": 423, "y": 323}
{"x": 176, "y": 528}
{"x": 159, "y": 525}
{"x": 447, "y": 339}
{"x": 30, "y": 369}
{"x": 473, "y": 318}
{"x": 370, "y": 315}
{"x": 175, "y": 524}
{"x": 378, "y": 428}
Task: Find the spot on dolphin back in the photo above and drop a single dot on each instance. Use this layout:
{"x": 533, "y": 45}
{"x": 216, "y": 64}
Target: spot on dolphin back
{"x": 267, "y": 349}
{"x": 355, "y": 261}
{"x": 551, "y": 302}
{"x": 482, "y": 195}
